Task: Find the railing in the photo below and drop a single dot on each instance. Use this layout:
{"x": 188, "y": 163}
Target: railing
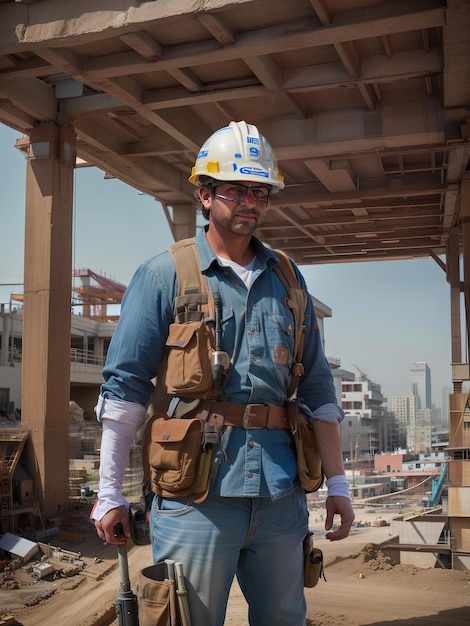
{"x": 12, "y": 359}
{"x": 86, "y": 356}
{"x": 76, "y": 356}
{"x": 421, "y": 512}
{"x": 333, "y": 361}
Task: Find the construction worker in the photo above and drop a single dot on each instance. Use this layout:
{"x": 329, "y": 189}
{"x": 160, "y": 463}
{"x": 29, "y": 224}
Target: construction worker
{"x": 253, "y": 522}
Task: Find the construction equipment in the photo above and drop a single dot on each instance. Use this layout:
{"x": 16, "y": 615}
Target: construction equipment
{"x": 437, "y": 486}
{"x": 126, "y": 602}
{"x": 96, "y": 294}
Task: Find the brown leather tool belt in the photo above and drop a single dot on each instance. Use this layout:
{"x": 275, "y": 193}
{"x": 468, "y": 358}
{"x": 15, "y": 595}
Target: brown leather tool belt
{"x": 249, "y": 415}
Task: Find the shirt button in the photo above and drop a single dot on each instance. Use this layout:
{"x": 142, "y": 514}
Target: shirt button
{"x": 250, "y": 444}
{"x": 250, "y": 474}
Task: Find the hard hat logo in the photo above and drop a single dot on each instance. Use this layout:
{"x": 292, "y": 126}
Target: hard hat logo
{"x": 237, "y": 151}
{"x": 253, "y": 171}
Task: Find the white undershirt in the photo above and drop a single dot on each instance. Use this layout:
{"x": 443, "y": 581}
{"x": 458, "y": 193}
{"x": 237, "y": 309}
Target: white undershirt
{"x": 244, "y": 272}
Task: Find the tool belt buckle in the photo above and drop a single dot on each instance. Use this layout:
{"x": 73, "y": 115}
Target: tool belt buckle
{"x": 250, "y": 414}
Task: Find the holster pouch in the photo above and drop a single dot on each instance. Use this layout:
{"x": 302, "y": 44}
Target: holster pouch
{"x": 178, "y": 453}
{"x": 177, "y": 459}
{"x": 313, "y": 563}
{"x": 189, "y": 367}
{"x": 156, "y": 597}
{"x": 309, "y": 468}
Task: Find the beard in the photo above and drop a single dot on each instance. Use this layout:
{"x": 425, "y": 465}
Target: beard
{"x": 244, "y": 223}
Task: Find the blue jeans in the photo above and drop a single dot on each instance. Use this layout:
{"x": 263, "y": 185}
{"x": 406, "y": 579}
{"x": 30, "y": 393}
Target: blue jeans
{"x": 257, "y": 539}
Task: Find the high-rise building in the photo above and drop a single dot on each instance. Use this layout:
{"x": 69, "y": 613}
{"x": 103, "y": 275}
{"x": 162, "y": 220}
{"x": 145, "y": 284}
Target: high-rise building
{"x": 363, "y": 430}
{"x": 412, "y": 410}
{"x": 404, "y": 408}
{"x": 422, "y": 431}
{"x": 420, "y": 384}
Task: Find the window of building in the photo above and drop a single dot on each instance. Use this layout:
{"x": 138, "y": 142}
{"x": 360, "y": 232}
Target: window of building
{"x": 4, "y": 398}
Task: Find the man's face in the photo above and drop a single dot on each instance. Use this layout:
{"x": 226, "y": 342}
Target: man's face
{"x": 236, "y": 206}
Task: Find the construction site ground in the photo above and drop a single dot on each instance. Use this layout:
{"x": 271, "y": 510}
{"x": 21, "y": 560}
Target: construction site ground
{"x": 363, "y": 587}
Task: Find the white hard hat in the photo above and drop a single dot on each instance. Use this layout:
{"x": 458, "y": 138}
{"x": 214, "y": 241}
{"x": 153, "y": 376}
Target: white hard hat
{"x": 237, "y": 152}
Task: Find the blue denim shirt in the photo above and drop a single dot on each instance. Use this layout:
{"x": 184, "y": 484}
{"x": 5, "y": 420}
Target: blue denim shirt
{"x": 258, "y": 331}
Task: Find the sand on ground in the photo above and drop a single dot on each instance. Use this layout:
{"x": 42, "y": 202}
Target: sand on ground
{"x": 363, "y": 588}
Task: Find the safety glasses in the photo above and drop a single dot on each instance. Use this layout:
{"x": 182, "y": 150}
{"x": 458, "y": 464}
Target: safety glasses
{"x": 233, "y": 192}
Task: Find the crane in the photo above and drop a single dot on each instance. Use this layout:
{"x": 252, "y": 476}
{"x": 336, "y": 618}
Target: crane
{"x": 95, "y": 298}
{"x": 363, "y": 375}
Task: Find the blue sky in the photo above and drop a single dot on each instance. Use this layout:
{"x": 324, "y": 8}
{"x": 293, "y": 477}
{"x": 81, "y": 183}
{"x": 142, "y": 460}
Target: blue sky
{"x": 386, "y": 315}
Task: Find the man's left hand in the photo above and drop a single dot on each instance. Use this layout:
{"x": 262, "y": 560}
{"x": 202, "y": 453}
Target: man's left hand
{"x": 338, "y": 505}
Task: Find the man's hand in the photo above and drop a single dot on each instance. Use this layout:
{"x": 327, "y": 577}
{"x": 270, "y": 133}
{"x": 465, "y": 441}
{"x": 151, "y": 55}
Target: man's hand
{"x": 106, "y": 527}
{"x": 341, "y": 506}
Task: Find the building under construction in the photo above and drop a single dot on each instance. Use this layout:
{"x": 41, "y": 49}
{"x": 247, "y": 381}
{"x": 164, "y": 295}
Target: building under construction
{"x": 95, "y": 305}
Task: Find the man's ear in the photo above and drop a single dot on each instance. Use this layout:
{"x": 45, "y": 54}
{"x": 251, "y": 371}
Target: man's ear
{"x": 205, "y": 196}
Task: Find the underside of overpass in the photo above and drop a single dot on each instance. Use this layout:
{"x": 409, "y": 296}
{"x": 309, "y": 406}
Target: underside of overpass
{"x": 366, "y": 103}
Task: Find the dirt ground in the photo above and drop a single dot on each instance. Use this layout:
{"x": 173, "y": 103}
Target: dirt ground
{"x": 363, "y": 588}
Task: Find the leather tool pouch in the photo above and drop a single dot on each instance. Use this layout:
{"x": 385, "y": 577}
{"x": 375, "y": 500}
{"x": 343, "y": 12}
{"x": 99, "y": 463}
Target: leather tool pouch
{"x": 157, "y": 597}
{"x": 188, "y": 371}
{"x": 179, "y": 461}
{"x": 309, "y": 466}
{"x": 313, "y": 563}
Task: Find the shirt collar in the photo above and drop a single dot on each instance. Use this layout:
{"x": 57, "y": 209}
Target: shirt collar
{"x": 264, "y": 255}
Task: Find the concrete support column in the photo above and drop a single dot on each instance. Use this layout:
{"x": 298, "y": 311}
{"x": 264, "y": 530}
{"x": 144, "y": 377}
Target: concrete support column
{"x": 453, "y": 278}
{"x": 47, "y": 311}
{"x": 465, "y": 209}
{"x": 184, "y": 221}
{"x": 98, "y": 347}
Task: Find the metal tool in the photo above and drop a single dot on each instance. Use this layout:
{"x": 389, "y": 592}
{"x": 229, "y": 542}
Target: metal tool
{"x": 220, "y": 360}
{"x": 126, "y": 602}
{"x": 182, "y": 595}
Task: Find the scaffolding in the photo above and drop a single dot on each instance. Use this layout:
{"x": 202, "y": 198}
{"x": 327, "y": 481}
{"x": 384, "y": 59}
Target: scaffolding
{"x": 12, "y": 442}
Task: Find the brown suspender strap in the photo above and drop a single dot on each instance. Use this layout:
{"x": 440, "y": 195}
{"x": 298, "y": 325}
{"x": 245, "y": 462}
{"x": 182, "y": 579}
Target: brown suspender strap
{"x": 193, "y": 303}
{"x": 297, "y": 302}
{"x": 186, "y": 258}
{"x": 190, "y": 280}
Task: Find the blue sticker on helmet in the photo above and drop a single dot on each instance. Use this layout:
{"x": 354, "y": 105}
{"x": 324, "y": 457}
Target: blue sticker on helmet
{"x": 254, "y": 153}
{"x": 237, "y": 155}
{"x": 253, "y": 171}
{"x": 202, "y": 154}
{"x": 254, "y": 140}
